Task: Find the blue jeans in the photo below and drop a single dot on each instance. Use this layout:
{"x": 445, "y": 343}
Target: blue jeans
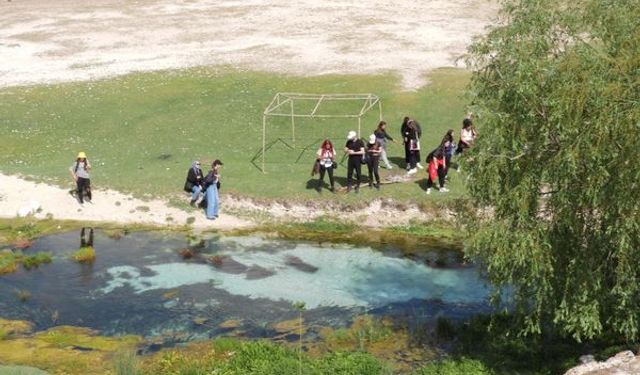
{"x": 212, "y": 202}
{"x": 195, "y": 192}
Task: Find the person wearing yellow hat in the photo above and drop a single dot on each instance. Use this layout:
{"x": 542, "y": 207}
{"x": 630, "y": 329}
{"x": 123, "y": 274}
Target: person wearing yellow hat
{"x": 80, "y": 173}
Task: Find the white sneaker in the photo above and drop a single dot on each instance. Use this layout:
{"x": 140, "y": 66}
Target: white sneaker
{"x": 412, "y": 171}
{"x": 389, "y": 167}
{"x": 419, "y": 166}
{"x": 428, "y": 190}
{"x": 458, "y": 169}
{"x": 444, "y": 190}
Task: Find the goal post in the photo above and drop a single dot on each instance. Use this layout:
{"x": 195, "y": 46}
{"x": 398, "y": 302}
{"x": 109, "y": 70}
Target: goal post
{"x": 283, "y": 104}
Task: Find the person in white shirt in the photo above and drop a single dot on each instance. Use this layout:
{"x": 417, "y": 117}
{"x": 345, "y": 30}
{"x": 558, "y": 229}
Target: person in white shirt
{"x": 326, "y": 157}
{"x": 468, "y": 135}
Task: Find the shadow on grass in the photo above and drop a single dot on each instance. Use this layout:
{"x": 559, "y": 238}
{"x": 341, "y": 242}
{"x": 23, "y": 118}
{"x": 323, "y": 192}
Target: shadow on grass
{"x": 397, "y": 162}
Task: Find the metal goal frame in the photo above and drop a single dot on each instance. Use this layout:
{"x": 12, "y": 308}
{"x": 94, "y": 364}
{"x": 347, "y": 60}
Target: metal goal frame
{"x": 283, "y": 105}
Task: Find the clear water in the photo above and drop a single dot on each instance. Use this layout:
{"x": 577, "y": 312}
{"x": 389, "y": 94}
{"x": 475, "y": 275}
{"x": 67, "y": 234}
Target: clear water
{"x": 140, "y": 284}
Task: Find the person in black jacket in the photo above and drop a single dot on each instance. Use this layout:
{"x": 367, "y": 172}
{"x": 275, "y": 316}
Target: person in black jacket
{"x": 409, "y": 134}
{"x": 194, "y": 182}
{"x": 355, "y": 149}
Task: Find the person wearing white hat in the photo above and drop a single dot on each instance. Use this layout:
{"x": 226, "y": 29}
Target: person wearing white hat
{"x": 374, "y": 149}
{"x": 80, "y": 173}
{"x": 355, "y": 149}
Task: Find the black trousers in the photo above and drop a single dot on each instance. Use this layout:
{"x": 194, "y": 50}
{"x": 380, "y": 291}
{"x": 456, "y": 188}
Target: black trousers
{"x": 83, "y": 184}
{"x": 372, "y": 166}
{"x": 329, "y": 171}
{"x": 407, "y": 153}
{"x": 354, "y": 164}
{"x": 441, "y": 175}
{"x": 447, "y": 160}
{"x": 414, "y": 158}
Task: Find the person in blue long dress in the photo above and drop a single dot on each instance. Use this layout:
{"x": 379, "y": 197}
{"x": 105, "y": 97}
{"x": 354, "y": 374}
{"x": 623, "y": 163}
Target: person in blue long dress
{"x": 211, "y": 190}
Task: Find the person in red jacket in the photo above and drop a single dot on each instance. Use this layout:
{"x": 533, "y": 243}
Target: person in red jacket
{"x": 437, "y": 169}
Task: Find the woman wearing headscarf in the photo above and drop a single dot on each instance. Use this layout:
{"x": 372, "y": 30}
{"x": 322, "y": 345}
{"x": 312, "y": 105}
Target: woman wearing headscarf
{"x": 80, "y": 173}
{"x": 194, "y": 182}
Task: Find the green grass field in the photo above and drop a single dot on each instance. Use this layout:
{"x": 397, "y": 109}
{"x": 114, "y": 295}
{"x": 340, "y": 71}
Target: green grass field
{"x": 142, "y": 131}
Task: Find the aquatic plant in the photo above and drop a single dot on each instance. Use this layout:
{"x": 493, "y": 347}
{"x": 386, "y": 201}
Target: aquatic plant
{"x": 216, "y": 260}
{"x": 86, "y": 254}
{"x": 186, "y": 253}
{"x": 23, "y": 295}
{"x": 115, "y": 233}
{"x": 35, "y": 260}
{"x": 8, "y": 261}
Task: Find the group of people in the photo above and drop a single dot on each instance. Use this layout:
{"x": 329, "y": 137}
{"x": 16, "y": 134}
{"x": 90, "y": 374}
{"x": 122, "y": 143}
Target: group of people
{"x": 371, "y": 154}
{"x": 375, "y": 151}
{"x": 196, "y": 183}
{"x": 207, "y": 186}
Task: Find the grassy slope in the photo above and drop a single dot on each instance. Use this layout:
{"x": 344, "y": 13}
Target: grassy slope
{"x": 141, "y": 131}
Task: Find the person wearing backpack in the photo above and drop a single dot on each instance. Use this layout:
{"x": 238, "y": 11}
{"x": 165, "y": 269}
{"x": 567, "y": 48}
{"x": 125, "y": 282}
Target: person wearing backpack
{"x": 80, "y": 173}
{"x": 194, "y": 182}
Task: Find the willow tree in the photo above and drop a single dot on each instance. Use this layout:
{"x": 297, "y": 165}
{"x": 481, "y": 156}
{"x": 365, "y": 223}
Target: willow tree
{"x": 555, "y": 173}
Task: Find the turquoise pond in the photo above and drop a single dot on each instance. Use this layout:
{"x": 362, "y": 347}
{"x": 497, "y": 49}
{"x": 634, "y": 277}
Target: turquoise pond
{"x": 141, "y": 284}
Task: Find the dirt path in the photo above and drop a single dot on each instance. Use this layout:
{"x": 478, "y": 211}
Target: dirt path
{"x": 44, "y": 41}
{"x": 17, "y": 194}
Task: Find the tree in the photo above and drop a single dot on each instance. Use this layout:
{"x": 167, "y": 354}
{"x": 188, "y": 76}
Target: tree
{"x": 554, "y": 177}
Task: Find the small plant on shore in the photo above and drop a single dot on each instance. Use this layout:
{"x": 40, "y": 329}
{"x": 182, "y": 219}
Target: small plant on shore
{"x": 126, "y": 363}
{"x": 86, "y": 254}
{"x": 35, "y": 260}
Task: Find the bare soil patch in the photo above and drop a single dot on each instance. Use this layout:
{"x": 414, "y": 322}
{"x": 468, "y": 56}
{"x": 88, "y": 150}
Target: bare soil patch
{"x": 46, "y": 41}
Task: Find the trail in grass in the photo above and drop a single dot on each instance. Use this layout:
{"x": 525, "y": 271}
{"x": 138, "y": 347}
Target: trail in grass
{"x": 107, "y": 206}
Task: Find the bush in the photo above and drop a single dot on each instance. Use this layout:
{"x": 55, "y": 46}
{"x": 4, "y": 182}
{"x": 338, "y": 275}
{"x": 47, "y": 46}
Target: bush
{"x": 355, "y": 363}
{"x": 456, "y": 367}
{"x": 263, "y": 358}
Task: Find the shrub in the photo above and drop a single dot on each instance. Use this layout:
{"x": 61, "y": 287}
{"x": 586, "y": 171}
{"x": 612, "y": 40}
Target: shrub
{"x": 354, "y": 363}
{"x": 456, "y": 367}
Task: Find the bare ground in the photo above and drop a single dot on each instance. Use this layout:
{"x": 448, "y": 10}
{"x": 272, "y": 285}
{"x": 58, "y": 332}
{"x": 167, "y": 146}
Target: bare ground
{"x": 44, "y": 41}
